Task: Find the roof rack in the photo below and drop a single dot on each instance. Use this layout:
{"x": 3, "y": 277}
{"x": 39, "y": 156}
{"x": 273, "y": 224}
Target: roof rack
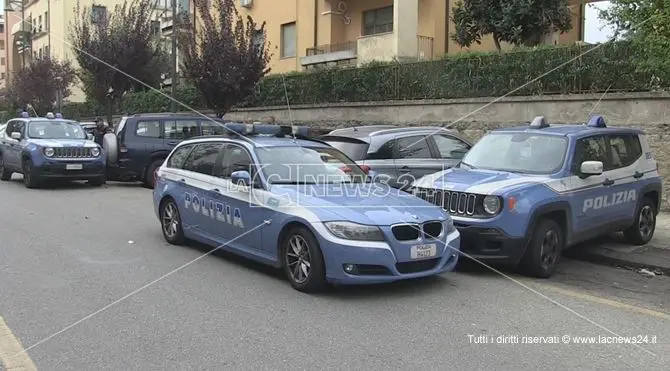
{"x": 145, "y": 114}
{"x": 236, "y": 129}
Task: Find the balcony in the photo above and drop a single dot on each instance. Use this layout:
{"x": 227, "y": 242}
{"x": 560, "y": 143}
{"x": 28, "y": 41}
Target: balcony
{"x": 330, "y": 54}
{"x": 385, "y": 48}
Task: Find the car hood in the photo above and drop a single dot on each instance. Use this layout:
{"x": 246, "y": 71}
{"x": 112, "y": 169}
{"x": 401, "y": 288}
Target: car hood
{"x": 63, "y": 142}
{"x": 478, "y": 181}
{"x": 369, "y": 203}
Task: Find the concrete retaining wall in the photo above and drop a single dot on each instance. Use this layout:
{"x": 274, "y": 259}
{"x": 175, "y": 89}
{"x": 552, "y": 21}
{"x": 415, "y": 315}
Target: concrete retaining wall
{"x": 473, "y": 117}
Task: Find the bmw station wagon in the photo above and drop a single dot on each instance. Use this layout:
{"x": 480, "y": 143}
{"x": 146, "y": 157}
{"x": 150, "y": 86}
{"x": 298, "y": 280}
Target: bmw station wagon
{"x": 301, "y": 205}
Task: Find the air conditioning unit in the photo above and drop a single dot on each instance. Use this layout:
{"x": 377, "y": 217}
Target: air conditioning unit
{"x": 246, "y": 3}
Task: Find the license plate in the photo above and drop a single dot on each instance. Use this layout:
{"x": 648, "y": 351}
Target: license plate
{"x": 423, "y": 251}
{"x": 73, "y": 166}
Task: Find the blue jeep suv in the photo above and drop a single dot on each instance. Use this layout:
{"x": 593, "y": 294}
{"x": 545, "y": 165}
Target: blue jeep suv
{"x": 523, "y": 194}
{"x": 46, "y": 148}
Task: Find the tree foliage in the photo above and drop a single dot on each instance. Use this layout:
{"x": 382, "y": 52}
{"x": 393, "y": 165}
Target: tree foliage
{"x": 117, "y": 51}
{"x": 517, "y": 22}
{"x": 227, "y": 57}
{"x": 40, "y": 83}
{"x": 646, "y": 23}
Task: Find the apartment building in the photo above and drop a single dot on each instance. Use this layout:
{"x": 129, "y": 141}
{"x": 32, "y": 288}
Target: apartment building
{"x": 3, "y": 53}
{"x": 307, "y": 33}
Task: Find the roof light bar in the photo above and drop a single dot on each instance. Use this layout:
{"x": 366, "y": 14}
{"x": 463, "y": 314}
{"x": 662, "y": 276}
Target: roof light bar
{"x": 596, "y": 121}
{"x": 539, "y": 123}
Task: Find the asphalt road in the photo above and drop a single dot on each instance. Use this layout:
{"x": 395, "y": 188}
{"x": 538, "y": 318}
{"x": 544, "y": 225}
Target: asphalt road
{"x": 65, "y": 254}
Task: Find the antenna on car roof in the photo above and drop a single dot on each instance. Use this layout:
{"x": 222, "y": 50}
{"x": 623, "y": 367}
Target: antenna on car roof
{"x": 288, "y": 105}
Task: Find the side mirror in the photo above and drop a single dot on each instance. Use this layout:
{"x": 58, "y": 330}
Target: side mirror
{"x": 16, "y": 135}
{"x": 589, "y": 168}
{"x": 241, "y": 178}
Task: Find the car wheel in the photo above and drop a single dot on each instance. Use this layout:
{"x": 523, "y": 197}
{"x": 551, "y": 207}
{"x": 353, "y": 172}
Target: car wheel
{"x": 4, "y": 173}
{"x": 98, "y": 182}
{"x": 302, "y": 261}
{"x": 643, "y": 229}
{"x": 171, "y": 223}
{"x": 30, "y": 180}
{"x": 149, "y": 176}
{"x": 544, "y": 250}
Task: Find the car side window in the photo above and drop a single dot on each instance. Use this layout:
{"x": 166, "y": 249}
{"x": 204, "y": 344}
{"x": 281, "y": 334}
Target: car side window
{"x": 203, "y": 158}
{"x": 625, "y": 149}
{"x": 178, "y": 157}
{"x": 180, "y": 129}
{"x": 415, "y": 146}
{"x": 591, "y": 149}
{"x": 148, "y": 129}
{"x": 450, "y": 147}
{"x": 235, "y": 158}
{"x": 384, "y": 152}
{"x": 11, "y": 125}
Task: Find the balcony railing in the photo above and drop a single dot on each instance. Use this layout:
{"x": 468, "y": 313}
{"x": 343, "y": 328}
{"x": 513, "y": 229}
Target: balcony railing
{"x": 332, "y": 48}
{"x": 425, "y": 48}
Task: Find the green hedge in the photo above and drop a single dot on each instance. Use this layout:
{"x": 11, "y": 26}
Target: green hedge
{"x": 543, "y": 70}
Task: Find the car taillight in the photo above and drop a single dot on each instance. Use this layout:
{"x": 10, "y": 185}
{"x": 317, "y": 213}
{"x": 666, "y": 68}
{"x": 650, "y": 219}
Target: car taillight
{"x": 345, "y": 169}
{"x": 365, "y": 168}
{"x": 123, "y": 148}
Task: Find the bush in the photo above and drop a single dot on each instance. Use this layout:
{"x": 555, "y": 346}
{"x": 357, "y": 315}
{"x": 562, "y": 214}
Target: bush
{"x": 533, "y": 71}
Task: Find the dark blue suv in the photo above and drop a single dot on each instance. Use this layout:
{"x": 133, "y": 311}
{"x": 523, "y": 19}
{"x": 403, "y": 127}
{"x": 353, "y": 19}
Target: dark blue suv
{"x": 142, "y": 142}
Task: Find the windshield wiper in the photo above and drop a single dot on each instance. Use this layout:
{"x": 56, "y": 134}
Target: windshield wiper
{"x": 468, "y": 165}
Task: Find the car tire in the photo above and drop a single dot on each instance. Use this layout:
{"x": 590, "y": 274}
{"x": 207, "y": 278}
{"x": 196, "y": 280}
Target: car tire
{"x": 171, "y": 225}
{"x": 30, "y": 180}
{"x": 642, "y": 231}
{"x": 4, "y": 173}
{"x": 149, "y": 176}
{"x": 98, "y": 182}
{"x": 544, "y": 250}
{"x": 302, "y": 261}
{"x": 110, "y": 146}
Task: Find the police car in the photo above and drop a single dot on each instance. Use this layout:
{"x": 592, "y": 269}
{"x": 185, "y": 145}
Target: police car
{"x": 269, "y": 193}
{"x": 523, "y": 194}
{"x": 50, "y": 147}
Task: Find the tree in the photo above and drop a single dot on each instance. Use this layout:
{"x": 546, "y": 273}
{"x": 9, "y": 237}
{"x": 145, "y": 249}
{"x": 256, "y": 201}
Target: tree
{"x": 115, "y": 51}
{"x": 646, "y": 24}
{"x": 518, "y": 22}
{"x": 227, "y": 57}
{"x": 40, "y": 83}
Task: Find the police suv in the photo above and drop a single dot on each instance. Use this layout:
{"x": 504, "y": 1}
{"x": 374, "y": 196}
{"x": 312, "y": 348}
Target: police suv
{"x": 50, "y": 147}
{"x": 522, "y": 194}
{"x": 269, "y": 193}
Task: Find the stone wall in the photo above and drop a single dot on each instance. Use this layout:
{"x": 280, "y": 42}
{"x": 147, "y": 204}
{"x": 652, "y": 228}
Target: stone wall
{"x": 474, "y": 117}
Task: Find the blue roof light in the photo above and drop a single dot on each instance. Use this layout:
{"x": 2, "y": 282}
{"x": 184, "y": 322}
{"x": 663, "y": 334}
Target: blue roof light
{"x": 596, "y": 121}
{"x": 539, "y": 123}
{"x": 25, "y": 115}
{"x": 59, "y": 115}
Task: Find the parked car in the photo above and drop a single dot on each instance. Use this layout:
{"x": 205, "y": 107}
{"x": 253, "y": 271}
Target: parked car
{"x": 45, "y": 148}
{"x": 300, "y": 205}
{"x": 142, "y": 142}
{"x": 523, "y": 194}
{"x": 400, "y": 155}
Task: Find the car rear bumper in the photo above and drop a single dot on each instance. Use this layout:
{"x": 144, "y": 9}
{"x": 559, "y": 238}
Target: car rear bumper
{"x": 375, "y": 262}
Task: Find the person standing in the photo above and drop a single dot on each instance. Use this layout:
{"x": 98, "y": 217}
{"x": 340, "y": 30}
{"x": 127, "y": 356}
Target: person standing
{"x": 99, "y": 131}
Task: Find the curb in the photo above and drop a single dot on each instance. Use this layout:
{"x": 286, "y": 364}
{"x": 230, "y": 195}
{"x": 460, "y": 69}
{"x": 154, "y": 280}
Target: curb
{"x": 617, "y": 259}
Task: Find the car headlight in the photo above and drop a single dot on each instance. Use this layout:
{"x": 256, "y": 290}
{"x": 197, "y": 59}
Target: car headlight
{"x": 49, "y": 152}
{"x": 95, "y": 152}
{"x": 492, "y": 204}
{"x": 355, "y": 231}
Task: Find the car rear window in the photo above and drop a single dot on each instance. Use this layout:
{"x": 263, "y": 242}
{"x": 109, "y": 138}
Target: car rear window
{"x": 354, "y": 149}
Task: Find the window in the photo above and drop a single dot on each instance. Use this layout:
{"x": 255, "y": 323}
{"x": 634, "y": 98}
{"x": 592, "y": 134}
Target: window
{"x": 2, "y": 61}
{"x": 288, "y": 40}
{"x": 450, "y": 147}
{"x": 46, "y": 21}
{"x": 155, "y": 28}
{"x": 39, "y": 23}
{"x": 625, "y": 149}
{"x": 151, "y": 129}
{"x": 235, "y": 158}
{"x": 413, "y": 147}
{"x": 378, "y": 21}
{"x": 2, "y": 44}
{"x": 181, "y": 129}
{"x": 98, "y": 14}
{"x": 259, "y": 40}
{"x": 2, "y": 28}
{"x": 212, "y": 128}
{"x": 203, "y": 158}
{"x": 591, "y": 149}
{"x": 385, "y": 152}
{"x": 179, "y": 156}
{"x": 2, "y": 76}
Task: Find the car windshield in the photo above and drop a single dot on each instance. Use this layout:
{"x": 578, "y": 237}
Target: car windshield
{"x": 518, "y": 152}
{"x": 308, "y": 165}
{"x": 354, "y": 149}
{"x": 54, "y": 129}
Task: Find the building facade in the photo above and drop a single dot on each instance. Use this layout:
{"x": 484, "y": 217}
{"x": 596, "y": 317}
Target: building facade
{"x": 3, "y": 52}
{"x": 307, "y": 33}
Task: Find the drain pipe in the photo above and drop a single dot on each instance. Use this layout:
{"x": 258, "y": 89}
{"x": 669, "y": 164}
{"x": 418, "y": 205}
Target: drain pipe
{"x": 316, "y": 22}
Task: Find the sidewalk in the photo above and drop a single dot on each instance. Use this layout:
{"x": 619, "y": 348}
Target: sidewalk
{"x": 654, "y": 257}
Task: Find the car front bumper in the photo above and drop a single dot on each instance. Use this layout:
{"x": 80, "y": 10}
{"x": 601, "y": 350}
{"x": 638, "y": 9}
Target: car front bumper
{"x": 489, "y": 244}
{"x": 376, "y": 262}
{"x": 59, "y": 170}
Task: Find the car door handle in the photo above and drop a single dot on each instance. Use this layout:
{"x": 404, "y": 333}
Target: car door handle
{"x": 215, "y": 190}
{"x": 182, "y": 180}
{"x": 638, "y": 175}
{"x": 405, "y": 169}
{"x": 608, "y": 182}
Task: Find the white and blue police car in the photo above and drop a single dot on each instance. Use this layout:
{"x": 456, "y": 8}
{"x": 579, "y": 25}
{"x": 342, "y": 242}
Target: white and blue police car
{"x": 523, "y": 194}
{"x": 271, "y": 194}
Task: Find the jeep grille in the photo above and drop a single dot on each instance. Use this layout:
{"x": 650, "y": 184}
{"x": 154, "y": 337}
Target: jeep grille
{"x": 456, "y": 203}
{"x": 72, "y": 152}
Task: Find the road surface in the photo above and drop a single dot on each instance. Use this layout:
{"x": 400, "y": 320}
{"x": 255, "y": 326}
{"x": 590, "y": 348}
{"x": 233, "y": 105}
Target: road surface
{"x": 69, "y": 254}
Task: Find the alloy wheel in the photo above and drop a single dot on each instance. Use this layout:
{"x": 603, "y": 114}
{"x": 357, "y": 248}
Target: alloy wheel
{"x": 170, "y": 219}
{"x": 550, "y": 249}
{"x": 646, "y": 222}
{"x": 298, "y": 259}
